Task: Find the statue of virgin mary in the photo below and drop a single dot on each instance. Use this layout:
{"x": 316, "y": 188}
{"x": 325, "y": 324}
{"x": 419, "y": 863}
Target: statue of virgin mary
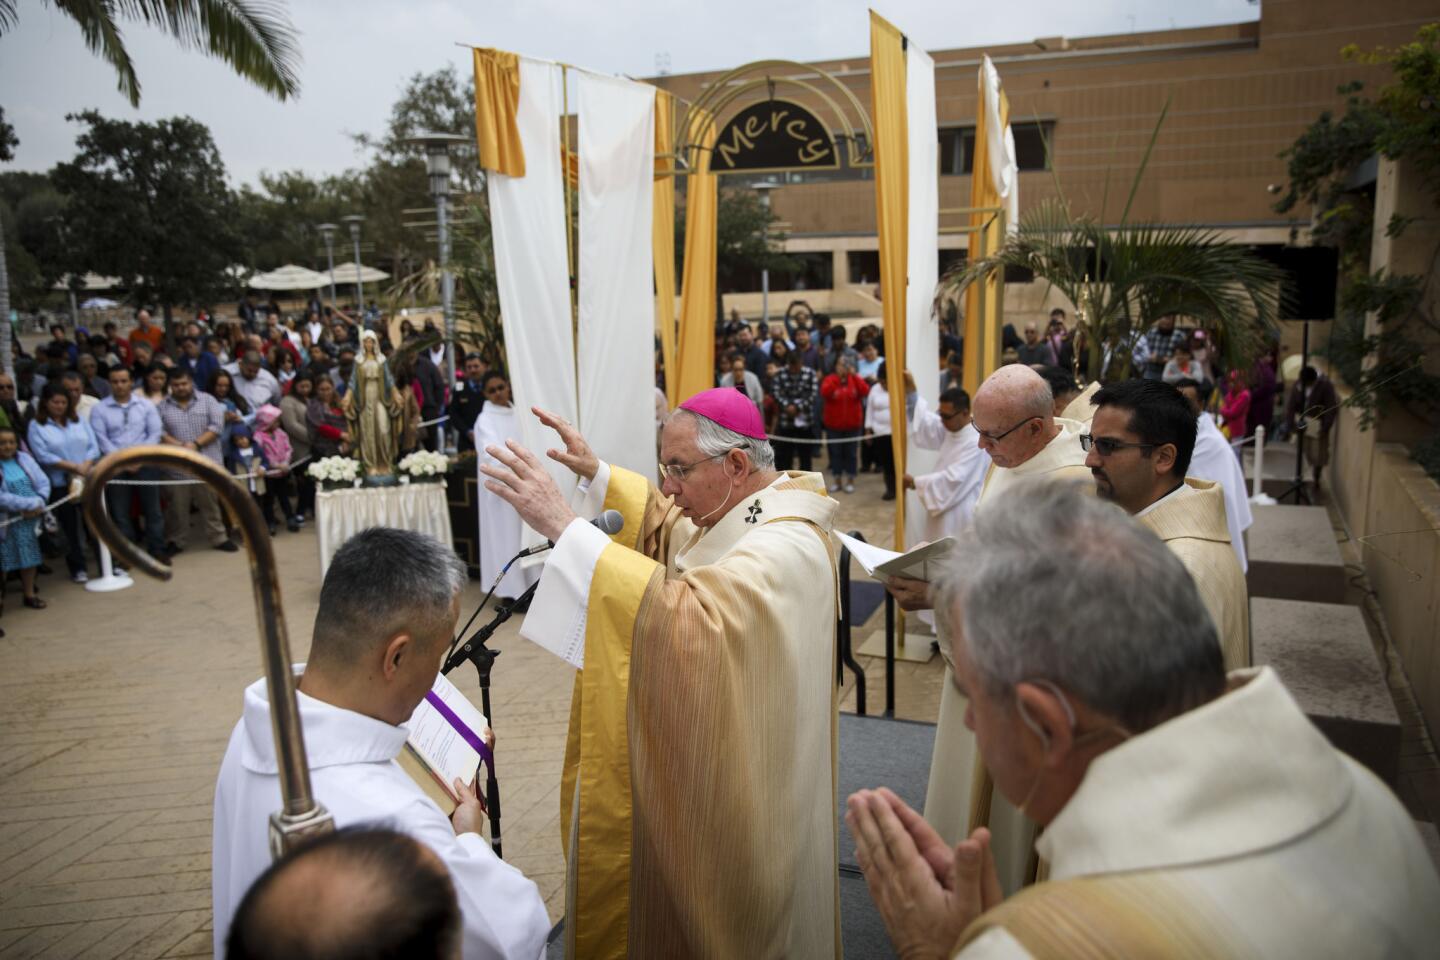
{"x": 373, "y": 409}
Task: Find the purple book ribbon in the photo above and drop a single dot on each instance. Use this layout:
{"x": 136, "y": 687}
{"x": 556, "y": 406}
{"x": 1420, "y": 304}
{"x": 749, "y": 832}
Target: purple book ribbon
{"x": 469, "y": 736}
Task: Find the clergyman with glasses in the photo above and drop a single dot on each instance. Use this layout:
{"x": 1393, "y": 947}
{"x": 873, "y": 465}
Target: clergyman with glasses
{"x": 1015, "y": 423}
{"x": 1139, "y": 449}
{"x": 698, "y": 792}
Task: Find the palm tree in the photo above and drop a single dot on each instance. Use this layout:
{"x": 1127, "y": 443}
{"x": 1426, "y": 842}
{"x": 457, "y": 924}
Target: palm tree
{"x": 254, "y": 36}
{"x": 1121, "y": 279}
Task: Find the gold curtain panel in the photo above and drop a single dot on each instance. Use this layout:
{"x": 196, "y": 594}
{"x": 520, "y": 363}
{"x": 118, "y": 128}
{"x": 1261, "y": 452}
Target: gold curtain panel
{"x": 497, "y": 100}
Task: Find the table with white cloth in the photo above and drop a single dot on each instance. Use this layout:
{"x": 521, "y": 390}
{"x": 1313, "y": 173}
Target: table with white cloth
{"x": 340, "y": 514}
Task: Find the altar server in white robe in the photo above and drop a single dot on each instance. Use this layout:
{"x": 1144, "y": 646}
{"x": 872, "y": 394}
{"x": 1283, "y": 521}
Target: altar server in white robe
{"x": 500, "y": 526}
{"x": 950, "y": 491}
{"x": 1186, "y": 814}
{"x": 388, "y": 609}
{"x": 1214, "y": 459}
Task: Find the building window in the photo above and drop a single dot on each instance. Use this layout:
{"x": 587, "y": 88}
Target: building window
{"x": 957, "y": 147}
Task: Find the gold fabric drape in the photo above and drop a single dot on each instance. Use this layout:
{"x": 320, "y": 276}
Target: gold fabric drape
{"x": 662, "y": 241}
{"x": 892, "y": 214}
{"x": 983, "y": 308}
{"x": 695, "y": 354}
{"x": 497, "y": 99}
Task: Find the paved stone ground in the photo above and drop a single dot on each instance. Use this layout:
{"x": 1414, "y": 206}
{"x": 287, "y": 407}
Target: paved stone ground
{"x": 115, "y": 709}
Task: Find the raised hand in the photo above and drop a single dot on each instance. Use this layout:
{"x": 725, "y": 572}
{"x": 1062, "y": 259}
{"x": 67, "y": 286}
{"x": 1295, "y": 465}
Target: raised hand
{"x": 577, "y": 455}
{"x": 522, "y": 482}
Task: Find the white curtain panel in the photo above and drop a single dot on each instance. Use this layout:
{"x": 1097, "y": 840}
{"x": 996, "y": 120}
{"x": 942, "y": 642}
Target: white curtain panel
{"x": 617, "y": 293}
{"x": 922, "y": 330}
{"x": 528, "y": 223}
{"x": 1004, "y": 169}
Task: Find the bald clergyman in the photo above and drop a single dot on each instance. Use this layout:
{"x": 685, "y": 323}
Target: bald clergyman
{"x": 698, "y": 797}
{"x": 1014, "y": 417}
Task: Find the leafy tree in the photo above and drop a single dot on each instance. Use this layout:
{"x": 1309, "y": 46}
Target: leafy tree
{"x": 1401, "y": 123}
{"x": 148, "y": 203}
{"x": 254, "y": 36}
{"x": 746, "y": 242}
{"x": 8, "y": 143}
{"x": 441, "y": 101}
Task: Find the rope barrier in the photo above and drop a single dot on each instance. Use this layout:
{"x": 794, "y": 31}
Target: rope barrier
{"x": 820, "y": 441}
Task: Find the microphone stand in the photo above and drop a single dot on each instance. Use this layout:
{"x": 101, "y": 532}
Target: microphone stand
{"x": 475, "y": 651}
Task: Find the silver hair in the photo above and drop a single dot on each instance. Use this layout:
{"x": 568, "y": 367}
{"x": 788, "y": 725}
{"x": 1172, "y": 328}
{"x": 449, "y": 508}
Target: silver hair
{"x": 715, "y": 440}
{"x": 382, "y": 580}
{"x": 1109, "y": 613}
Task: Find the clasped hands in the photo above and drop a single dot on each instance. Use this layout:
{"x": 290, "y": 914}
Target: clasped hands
{"x": 521, "y": 480}
{"x": 926, "y": 892}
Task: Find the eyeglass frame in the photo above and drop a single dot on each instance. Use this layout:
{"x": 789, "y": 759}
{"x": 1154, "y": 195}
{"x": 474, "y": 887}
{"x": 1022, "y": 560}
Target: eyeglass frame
{"x": 667, "y": 469}
{"x": 1089, "y": 441}
{"x": 994, "y": 438}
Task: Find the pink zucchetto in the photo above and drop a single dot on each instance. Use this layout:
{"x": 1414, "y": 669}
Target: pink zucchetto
{"x": 730, "y": 408}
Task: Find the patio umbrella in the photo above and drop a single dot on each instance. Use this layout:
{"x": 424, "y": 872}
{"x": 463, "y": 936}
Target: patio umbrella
{"x": 99, "y": 303}
{"x": 289, "y": 277}
{"x": 91, "y": 281}
{"x": 345, "y": 273}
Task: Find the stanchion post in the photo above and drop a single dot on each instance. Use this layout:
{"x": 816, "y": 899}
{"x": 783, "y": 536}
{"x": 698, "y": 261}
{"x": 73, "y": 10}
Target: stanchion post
{"x": 110, "y": 580}
{"x": 1257, "y": 490}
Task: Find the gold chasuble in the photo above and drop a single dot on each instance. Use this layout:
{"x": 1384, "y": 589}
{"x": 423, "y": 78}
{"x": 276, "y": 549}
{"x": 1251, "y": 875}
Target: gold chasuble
{"x": 1191, "y": 521}
{"x": 698, "y": 797}
{"x": 960, "y": 795}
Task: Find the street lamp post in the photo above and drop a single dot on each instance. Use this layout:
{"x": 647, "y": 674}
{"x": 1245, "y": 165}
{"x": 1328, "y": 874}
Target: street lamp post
{"x": 327, "y": 231}
{"x": 437, "y": 167}
{"x": 353, "y": 221}
{"x": 763, "y": 189}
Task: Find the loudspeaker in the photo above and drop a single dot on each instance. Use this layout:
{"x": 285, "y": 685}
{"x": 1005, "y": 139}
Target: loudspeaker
{"x": 1311, "y": 276}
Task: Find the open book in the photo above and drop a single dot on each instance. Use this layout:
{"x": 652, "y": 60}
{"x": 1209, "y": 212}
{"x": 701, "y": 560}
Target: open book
{"x": 915, "y": 564}
{"x": 446, "y": 743}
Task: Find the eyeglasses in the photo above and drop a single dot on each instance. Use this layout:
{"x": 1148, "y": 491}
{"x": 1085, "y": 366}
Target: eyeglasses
{"x": 951, "y": 416}
{"x": 679, "y": 471}
{"x": 1107, "y": 446}
{"x": 997, "y": 437}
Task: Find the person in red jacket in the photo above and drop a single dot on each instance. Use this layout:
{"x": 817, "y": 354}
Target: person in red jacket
{"x": 844, "y": 414}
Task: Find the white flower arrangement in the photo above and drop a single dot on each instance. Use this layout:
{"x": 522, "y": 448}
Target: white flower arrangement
{"x": 335, "y": 471}
{"x": 425, "y": 465}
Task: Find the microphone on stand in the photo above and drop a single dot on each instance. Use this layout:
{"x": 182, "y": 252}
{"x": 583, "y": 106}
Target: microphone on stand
{"x": 609, "y": 523}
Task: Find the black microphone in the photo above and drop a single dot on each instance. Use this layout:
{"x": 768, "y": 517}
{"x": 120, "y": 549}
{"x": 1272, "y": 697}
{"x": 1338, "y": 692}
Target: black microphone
{"x": 609, "y": 523}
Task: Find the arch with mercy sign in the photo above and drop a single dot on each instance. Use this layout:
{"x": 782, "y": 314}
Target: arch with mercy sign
{"x": 804, "y": 131}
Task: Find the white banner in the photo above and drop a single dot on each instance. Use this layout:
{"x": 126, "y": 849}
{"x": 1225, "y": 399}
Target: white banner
{"x": 528, "y": 223}
{"x": 922, "y": 331}
{"x": 616, "y": 275}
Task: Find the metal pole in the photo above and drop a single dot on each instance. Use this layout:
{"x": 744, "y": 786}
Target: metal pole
{"x": 447, "y": 287}
{"x": 765, "y": 298}
{"x": 330, "y": 258}
{"x": 359, "y": 287}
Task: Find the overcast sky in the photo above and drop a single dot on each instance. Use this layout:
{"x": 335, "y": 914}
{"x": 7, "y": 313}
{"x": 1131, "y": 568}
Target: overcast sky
{"x": 358, "y": 53}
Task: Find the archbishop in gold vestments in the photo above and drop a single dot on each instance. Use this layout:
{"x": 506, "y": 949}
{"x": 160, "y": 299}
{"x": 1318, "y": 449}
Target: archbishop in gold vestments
{"x": 1191, "y": 521}
{"x": 959, "y": 795}
{"x": 698, "y": 798}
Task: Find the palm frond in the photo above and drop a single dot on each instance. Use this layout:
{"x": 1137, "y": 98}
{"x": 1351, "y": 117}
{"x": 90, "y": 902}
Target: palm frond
{"x": 1145, "y": 161}
{"x": 96, "y": 19}
{"x": 254, "y": 36}
{"x": 8, "y": 16}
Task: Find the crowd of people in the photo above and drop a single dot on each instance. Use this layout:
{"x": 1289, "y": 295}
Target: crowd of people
{"x": 821, "y": 390}
{"x": 260, "y": 396}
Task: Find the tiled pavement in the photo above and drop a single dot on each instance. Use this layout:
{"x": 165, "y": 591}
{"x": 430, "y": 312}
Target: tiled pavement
{"x": 115, "y": 709}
